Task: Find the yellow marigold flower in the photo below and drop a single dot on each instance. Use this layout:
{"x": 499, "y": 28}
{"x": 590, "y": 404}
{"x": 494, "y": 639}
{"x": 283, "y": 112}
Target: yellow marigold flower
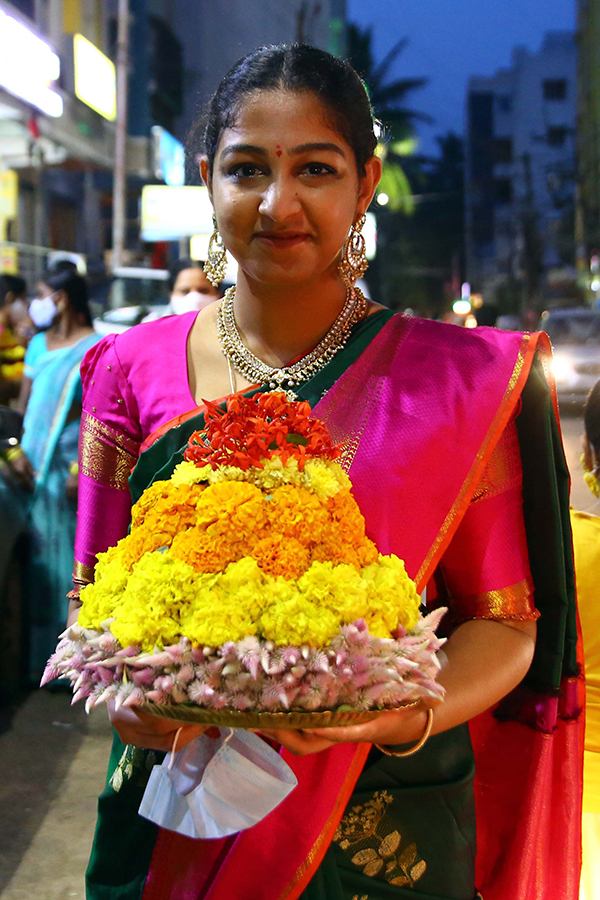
{"x": 325, "y": 477}
{"x": 187, "y": 473}
{"x": 296, "y": 512}
{"x": 296, "y": 620}
{"x": 157, "y": 590}
{"x": 392, "y": 595}
{"x": 100, "y": 598}
{"x": 279, "y": 555}
{"x": 338, "y": 588}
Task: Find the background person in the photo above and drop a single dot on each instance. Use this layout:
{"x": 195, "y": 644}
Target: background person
{"x": 39, "y": 486}
{"x": 16, "y": 330}
{"x": 190, "y": 289}
{"x": 586, "y": 541}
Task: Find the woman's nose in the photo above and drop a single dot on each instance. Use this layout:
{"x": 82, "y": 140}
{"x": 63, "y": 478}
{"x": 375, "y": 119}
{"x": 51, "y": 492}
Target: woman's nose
{"x": 280, "y": 200}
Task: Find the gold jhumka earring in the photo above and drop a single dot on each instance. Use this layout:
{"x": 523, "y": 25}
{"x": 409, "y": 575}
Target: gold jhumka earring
{"x": 354, "y": 263}
{"x": 216, "y": 258}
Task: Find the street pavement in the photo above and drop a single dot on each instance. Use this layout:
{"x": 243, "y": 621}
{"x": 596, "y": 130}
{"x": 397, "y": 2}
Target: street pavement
{"x": 53, "y": 761}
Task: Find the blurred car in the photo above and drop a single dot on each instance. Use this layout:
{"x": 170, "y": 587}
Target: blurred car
{"x": 575, "y": 336}
{"x": 134, "y": 295}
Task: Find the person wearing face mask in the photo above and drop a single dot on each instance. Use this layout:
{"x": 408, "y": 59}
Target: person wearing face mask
{"x": 190, "y": 289}
{"x": 586, "y": 541}
{"x": 38, "y": 485}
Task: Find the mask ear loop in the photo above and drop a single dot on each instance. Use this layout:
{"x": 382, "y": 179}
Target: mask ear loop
{"x": 172, "y": 760}
{"x": 228, "y": 738}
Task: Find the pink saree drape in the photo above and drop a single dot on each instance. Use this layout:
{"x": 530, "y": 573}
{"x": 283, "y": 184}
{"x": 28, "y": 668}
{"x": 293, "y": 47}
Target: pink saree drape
{"x": 420, "y": 411}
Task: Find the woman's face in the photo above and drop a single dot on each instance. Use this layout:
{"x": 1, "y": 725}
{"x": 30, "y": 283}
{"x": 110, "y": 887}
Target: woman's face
{"x": 193, "y": 279}
{"x": 285, "y": 188}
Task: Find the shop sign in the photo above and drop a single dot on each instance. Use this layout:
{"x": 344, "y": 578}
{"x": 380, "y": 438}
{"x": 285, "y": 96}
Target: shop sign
{"x": 95, "y": 78}
{"x": 9, "y": 260}
{"x": 168, "y": 157}
{"x": 170, "y": 213}
{"x": 28, "y": 66}
{"x": 9, "y": 193}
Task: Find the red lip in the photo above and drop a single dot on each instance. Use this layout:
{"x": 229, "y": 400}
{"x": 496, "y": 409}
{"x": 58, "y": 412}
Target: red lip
{"x": 281, "y": 240}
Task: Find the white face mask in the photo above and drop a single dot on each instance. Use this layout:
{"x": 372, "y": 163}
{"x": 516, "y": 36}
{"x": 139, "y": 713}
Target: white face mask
{"x": 193, "y": 301}
{"x": 214, "y": 788}
{"x": 42, "y": 311}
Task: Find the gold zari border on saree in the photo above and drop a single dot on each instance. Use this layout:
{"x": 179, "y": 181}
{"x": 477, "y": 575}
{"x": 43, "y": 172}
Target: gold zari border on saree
{"x": 105, "y": 455}
{"x": 512, "y": 602}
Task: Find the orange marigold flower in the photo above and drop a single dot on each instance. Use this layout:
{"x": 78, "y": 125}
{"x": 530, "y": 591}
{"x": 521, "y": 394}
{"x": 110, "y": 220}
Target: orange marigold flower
{"x": 145, "y": 539}
{"x": 297, "y": 512}
{"x": 279, "y": 555}
{"x": 235, "y": 509}
{"x": 345, "y": 513}
{"x": 204, "y": 553}
{"x": 255, "y": 428}
{"x": 168, "y": 510}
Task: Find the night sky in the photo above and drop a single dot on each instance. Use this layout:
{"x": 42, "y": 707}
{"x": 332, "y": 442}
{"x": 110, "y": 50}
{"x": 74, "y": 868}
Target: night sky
{"x": 450, "y": 40}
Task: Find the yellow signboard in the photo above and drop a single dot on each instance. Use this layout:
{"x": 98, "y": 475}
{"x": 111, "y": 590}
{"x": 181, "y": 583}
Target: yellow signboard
{"x": 95, "y": 78}
{"x": 9, "y": 193}
{"x": 9, "y": 260}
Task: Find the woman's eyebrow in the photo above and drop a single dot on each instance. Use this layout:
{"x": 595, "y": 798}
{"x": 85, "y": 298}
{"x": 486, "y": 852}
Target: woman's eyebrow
{"x": 318, "y": 147}
{"x": 244, "y": 148}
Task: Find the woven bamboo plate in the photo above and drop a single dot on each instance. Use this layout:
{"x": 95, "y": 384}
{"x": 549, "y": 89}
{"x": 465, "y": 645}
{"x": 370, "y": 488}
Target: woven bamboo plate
{"x": 233, "y": 718}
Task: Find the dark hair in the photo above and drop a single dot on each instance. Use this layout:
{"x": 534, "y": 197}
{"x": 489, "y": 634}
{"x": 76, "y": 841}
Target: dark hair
{"x": 295, "y": 67}
{"x": 178, "y": 266}
{"x": 76, "y": 290}
{"x": 591, "y": 418}
{"x": 62, "y": 265}
{"x": 13, "y": 284}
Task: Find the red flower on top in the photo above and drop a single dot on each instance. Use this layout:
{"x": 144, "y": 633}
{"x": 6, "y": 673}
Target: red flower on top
{"x": 257, "y": 428}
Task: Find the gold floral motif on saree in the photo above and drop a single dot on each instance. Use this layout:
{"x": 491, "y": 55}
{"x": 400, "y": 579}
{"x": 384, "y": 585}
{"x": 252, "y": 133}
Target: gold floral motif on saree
{"x": 105, "y": 455}
{"x": 387, "y": 857}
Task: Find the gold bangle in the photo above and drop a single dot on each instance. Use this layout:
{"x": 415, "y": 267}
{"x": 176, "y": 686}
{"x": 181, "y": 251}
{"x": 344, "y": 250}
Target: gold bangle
{"x": 417, "y": 746}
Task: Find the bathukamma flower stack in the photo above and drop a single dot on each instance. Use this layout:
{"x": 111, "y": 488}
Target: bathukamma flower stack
{"x": 248, "y": 584}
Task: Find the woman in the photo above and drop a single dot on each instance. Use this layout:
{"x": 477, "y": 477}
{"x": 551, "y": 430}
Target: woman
{"x": 430, "y": 419}
{"x": 40, "y": 485}
{"x": 190, "y": 289}
{"x": 14, "y": 334}
{"x": 586, "y": 540}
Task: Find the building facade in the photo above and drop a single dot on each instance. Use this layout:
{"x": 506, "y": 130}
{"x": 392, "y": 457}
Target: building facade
{"x": 588, "y": 136}
{"x": 57, "y": 136}
{"x": 520, "y": 174}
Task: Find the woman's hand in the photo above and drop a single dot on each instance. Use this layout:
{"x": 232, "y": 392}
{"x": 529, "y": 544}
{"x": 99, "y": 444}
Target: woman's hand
{"x": 402, "y": 726}
{"x": 152, "y": 732}
{"x": 487, "y": 658}
{"x": 22, "y": 470}
{"x": 71, "y": 487}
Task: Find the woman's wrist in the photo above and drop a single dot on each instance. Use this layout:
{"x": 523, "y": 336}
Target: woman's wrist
{"x": 404, "y": 728}
{"x": 401, "y": 749}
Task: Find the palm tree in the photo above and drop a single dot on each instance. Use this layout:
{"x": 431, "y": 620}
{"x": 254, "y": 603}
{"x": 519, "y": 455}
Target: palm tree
{"x": 388, "y": 99}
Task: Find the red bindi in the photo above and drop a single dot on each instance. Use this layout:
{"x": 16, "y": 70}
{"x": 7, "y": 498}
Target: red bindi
{"x": 279, "y": 150}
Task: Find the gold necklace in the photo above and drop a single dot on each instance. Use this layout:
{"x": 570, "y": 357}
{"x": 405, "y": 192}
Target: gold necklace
{"x": 285, "y": 378}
